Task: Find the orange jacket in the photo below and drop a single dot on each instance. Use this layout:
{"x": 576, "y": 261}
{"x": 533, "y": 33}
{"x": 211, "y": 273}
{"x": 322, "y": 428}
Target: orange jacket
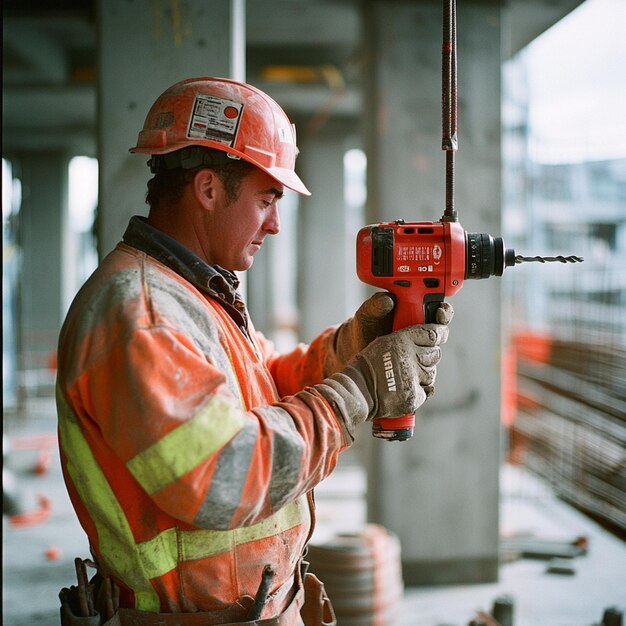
{"x": 185, "y": 455}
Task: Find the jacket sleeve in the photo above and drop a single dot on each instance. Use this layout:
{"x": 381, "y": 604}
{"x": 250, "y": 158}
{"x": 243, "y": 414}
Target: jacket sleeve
{"x": 164, "y": 409}
{"x": 301, "y": 367}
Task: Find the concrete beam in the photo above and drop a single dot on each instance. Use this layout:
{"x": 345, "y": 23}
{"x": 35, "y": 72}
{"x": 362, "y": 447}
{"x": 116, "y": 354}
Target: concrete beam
{"x": 524, "y": 20}
{"x": 33, "y": 55}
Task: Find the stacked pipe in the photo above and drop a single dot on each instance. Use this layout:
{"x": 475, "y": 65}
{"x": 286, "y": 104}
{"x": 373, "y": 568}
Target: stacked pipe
{"x": 362, "y": 574}
{"x": 571, "y": 420}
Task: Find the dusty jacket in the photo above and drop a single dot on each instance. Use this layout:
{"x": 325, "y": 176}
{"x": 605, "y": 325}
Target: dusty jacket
{"x": 186, "y": 455}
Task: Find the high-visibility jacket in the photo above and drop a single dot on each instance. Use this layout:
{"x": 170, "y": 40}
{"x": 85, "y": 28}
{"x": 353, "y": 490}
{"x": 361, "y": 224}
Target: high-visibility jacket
{"x": 186, "y": 455}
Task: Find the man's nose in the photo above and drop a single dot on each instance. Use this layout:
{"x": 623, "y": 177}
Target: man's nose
{"x": 272, "y": 223}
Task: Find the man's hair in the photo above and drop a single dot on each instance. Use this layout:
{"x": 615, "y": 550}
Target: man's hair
{"x": 166, "y": 187}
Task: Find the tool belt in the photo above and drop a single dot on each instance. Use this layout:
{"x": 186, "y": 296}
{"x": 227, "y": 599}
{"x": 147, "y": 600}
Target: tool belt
{"x": 79, "y": 607}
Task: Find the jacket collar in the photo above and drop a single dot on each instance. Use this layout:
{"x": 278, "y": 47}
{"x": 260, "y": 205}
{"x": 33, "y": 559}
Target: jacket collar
{"x": 211, "y": 279}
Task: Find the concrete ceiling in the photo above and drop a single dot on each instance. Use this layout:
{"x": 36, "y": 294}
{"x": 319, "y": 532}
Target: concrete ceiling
{"x": 50, "y": 60}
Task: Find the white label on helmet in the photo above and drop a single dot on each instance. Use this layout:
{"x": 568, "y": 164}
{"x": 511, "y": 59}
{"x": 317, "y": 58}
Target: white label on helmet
{"x": 215, "y": 118}
{"x": 285, "y": 135}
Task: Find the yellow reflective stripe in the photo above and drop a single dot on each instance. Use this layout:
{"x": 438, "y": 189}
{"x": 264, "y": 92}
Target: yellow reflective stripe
{"x": 160, "y": 552}
{"x": 205, "y": 543}
{"x": 116, "y": 542}
{"x": 178, "y": 452}
{"x": 163, "y": 551}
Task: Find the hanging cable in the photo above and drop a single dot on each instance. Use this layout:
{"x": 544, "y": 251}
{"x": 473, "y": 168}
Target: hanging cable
{"x": 449, "y": 141}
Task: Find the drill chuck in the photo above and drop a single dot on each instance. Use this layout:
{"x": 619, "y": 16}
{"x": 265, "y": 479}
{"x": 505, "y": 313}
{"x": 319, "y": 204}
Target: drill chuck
{"x": 486, "y": 256}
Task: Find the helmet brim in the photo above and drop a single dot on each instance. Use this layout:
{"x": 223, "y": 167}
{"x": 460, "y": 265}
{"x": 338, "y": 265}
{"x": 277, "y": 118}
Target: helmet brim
{"x": 288, "y": 178}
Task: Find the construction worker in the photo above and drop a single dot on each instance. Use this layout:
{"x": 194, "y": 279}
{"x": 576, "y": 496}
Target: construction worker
{"x": 190, "y": 448}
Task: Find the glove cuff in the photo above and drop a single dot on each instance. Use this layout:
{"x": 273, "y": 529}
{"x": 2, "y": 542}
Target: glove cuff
{"x": 348, "y": 394}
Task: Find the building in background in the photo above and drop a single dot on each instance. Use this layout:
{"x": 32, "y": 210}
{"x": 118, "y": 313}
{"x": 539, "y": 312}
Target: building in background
{"x": 564, "y": 192}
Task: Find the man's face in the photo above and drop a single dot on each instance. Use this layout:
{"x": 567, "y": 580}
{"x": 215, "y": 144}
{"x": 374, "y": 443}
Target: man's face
{"x": 239, "y": 227}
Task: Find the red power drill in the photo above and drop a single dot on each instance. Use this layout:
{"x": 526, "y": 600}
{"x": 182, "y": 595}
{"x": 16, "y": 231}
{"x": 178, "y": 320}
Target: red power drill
{"x": 421, "y": 263}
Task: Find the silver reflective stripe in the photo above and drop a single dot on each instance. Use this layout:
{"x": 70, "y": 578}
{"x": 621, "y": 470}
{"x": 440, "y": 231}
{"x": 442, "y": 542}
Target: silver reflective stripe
{"x": 185, "y": 309}
{"x": 287, "y": 449}
{"x": 227, "y": 482}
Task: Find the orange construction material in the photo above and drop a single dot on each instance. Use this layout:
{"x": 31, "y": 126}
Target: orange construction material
{"x": 362, "y": 574}
{"x": 46, "y": 445}
{"x": 38, "y": 516}
{"x": 532, "y": 345}
{"x": 53, "y": 553}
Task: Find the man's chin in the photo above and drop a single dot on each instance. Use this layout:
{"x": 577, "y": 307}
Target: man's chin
{"x": 242, "y": 266}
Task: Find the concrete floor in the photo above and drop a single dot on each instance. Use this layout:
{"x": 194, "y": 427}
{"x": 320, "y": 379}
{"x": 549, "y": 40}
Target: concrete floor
{"x": 38, "y": 559}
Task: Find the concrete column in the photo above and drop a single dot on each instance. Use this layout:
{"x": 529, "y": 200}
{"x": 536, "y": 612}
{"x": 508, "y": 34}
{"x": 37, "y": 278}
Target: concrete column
{"x": 42, "y": 222}
{"x": 145, "y": 47}
{"x": 439, "y": 491}
{"x": 271, "y": 282}
{"x": 329, "y": 289}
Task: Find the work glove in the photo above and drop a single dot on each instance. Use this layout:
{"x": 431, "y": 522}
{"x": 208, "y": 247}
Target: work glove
{"x": 373, "y": 318}
{"x": 392, "y": 376}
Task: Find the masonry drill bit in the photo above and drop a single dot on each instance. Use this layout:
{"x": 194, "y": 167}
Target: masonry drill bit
{"x": 548, "y": 259}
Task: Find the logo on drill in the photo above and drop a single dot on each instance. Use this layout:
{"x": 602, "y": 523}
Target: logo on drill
{"x": 389, "y": 375}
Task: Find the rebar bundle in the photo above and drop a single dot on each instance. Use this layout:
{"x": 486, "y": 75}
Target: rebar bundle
{"x": 571, "y": 423}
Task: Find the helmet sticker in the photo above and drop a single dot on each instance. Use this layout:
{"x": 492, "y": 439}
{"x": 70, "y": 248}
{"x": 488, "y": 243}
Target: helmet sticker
{"x": 285, "y": 135}
{"x": 215, "y": 118}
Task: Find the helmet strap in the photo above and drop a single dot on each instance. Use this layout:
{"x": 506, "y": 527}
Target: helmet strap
{"x": 189, "y": 158}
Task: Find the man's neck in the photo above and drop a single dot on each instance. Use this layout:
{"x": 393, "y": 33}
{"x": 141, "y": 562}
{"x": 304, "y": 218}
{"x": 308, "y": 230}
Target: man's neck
{"x": 179, "y": 224}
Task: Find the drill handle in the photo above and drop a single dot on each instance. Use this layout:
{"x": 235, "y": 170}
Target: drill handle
{"x": 421, "y": 310}
{"x": 394, "y": 428}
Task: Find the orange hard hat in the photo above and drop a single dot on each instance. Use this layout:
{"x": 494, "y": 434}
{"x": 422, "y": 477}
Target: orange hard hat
{"x": 225, "y": 115}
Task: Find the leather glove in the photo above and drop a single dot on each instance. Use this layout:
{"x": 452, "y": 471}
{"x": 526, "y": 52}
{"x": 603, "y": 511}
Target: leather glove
{"x": 392, "y": 376}
{"x": 373, "y": 318}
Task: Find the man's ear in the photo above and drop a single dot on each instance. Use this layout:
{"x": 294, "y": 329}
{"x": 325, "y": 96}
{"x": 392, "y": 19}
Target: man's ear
{"x": 206, "y": 187}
